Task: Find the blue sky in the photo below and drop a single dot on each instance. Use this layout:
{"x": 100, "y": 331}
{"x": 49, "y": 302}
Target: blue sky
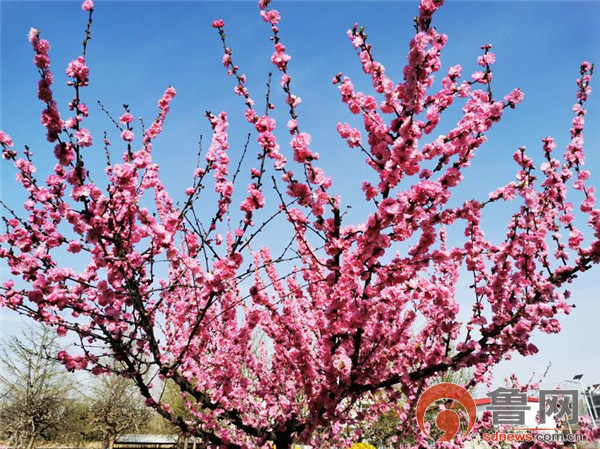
{"x": 139, "y": 48}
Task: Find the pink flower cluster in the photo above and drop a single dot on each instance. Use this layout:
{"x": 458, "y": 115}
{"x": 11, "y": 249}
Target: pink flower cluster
{"x": 5, "y": 140}
{"x": 352, "y": 317}
{"x": 218, "y": 162}
{"x": 352, "y": 135}
{"x": 50, "y": 116}
{"x": 79, "y": 70}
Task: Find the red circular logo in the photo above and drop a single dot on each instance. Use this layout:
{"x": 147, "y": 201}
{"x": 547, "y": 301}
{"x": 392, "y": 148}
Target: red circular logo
{"x": 447, "y": 420}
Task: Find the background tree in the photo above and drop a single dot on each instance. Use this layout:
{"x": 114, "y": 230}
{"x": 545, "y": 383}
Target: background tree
{"x": 352, "y": 308}
{"x": 34, "y": 389}
{"x": 115, "y": 408}
{"x": 75, "y": 429}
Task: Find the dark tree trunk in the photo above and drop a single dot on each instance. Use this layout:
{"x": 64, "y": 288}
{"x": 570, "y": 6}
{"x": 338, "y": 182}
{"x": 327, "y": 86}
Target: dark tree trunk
{"x": 283, "y": 440}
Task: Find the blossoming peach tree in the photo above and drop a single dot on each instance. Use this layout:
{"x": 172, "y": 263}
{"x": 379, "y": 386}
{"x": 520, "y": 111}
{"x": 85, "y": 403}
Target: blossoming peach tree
{"x": 351, "y": 326}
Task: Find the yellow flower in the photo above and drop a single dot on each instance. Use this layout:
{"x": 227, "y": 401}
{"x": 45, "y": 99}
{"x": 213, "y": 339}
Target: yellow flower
{"x": 362, "y": 446}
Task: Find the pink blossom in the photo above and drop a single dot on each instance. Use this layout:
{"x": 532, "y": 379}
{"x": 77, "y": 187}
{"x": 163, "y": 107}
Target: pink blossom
{"x": 218, "y": 23}
{"x": 78, "y": 69}
{"x": 84, "y": 137}
{"x": 342, "y": 364}
{"x": 515, "y": 97}
{"x": 292, "y": 124}
{"x": 265, "y": 124}
{"x": 127, "y": 135}
{"x": 250, "y": 115}
{"x": 42, "y": 46}
{"x": 280, "y": 58}
{"x": 487, "y": 59}
{"x": 41, "y": 60}
{"x": 255, "y": 199}
{"x": 87, "y": 5}
{"x": 300, "y": 143}
{"x": 64, "y": 153}
{"x": 271, "y": 16}
{"x": 126, "y": 118}
{"x": 5, "y": 139}
{"x": 352, "y": 135}
{"x": 33, "y": 34}
{"x": 74, "y": 246}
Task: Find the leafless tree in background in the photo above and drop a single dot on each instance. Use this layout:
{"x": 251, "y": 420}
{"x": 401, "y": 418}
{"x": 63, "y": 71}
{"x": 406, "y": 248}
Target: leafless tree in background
{"x": 34, "y": 388}
{"x": 116, "y": 407}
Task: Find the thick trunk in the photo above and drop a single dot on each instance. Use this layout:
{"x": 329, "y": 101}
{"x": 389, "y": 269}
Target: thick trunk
{"x": 31, "y": 441}
{"x": 284, "y": 441}
{"x": 111, "y": 441}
